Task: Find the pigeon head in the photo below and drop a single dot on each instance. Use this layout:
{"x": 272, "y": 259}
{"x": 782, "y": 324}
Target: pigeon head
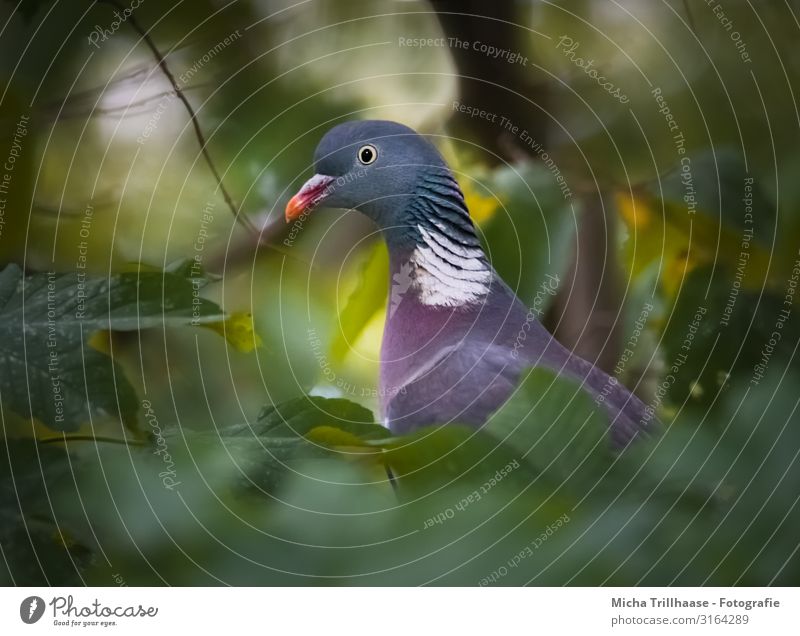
{"x": 386, "y": 171}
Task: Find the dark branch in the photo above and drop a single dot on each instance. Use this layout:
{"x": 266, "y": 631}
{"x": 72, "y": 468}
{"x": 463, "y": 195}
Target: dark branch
{"x": 162, "y": 64}
{"x": 91, "y": 438}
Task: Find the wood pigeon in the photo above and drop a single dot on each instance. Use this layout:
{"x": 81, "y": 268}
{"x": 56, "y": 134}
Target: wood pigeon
{"x": 457, "y": 339}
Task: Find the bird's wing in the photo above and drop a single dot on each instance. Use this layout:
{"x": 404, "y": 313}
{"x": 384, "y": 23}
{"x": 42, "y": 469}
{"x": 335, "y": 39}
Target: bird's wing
{"x": 629, "y": 416}
{"x": 462, "y": 383}
{"x": 466, "y": 383}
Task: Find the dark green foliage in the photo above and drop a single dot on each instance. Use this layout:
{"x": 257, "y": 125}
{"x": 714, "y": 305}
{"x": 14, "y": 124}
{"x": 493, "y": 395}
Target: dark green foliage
{"x": 48, "y": 371}
{"x": 38, "y": 547}
{"x": 540, "y": 504}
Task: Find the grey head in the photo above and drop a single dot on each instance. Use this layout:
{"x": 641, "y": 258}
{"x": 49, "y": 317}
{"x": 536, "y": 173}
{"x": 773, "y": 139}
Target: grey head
{"x": 390, "y": 173}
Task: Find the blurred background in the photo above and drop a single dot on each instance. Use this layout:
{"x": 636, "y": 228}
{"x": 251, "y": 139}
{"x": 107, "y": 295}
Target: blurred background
{"x": 644, "y": 155}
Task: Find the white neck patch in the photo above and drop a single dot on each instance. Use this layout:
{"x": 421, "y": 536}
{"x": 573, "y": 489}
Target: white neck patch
{"x": 445, "y": 274}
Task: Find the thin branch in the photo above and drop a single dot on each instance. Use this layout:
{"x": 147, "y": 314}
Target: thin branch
{"x": 162, "y": 64}
{"x": 91, "y": 438}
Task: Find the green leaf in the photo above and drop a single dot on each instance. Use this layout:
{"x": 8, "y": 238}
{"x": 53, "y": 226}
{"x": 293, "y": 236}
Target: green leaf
{"x": 234, "y": 461}
{"x": 367, "y": 298}
{"x": 192, "y": 269}
{"x": 717, "y": 213}
{"x": 528, "y": 238}
{"x": 714, "y": 334}
{"x": 238, "y": 329}
{"x": 298, "y": 416}
{"x": 36, "y": 549}
{"x": 28, "y": 8}
{"x": 47, "y": 371}
{"x": 555, "y": 426}
{"x": 720, "y": 177}
{"x": 440, "y": 456}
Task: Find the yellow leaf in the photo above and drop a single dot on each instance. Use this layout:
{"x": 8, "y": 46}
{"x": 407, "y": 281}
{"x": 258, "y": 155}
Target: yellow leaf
{"x": 482, "y": 208}
{"x": 664, "y": 233}
{"x": 238, "y": 330}
{"x": 332, "y": 436}
{"x": 351, "y": 446}
{"x": 63, "y": 539}
{"x": 367, "y": 299}
{"x": 636, "y": 213}
{"x": 16, "y": 426}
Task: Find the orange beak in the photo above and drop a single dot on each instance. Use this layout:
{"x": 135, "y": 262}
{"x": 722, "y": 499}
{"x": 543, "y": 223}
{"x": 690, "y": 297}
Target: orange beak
{"x": 308, "y": 197}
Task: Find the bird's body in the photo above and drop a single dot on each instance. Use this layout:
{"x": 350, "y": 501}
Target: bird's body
{"x": 457, "y": 338}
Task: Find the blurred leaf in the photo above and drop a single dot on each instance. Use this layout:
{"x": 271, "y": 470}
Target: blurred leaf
{"x": 192, "y": 269}
{"x": 333, "y": 436}
{"x": 234, "y": 461}
{"x": 238, "y": 330}
{"x": 28, "y": 8}
{"x": 36, "y": 549}
{"x": 528, "y": 238}
{"x": 696, "y": 217}
{"x": 46, "y": 369}
{"x": 555, "y": 426}
{"x": 716, "y": 332}
{"x": 719, "y": 178}
{"x": 189, "y": 269}
{"x": 482, "y": 207}
{"x": 438, "y": 457}
{"x": 295, "y": 418}
{"x": 368, "y": 297}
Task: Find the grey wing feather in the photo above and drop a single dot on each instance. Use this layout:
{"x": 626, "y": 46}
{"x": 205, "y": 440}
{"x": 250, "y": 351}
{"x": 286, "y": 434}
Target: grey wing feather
{"x": 461, "y": 384}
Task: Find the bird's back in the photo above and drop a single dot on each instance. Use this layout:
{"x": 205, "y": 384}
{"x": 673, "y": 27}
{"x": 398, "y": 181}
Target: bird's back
{"x": 458, "y": 365}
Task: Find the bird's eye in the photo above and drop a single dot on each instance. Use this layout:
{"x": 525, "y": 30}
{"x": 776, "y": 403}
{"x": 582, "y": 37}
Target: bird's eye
{"x": 367, "y": 154}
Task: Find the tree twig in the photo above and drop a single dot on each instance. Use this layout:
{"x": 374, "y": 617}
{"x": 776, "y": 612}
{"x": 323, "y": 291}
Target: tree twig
{"x": 91, "y": 438}
{"x": 198, "y": 131}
